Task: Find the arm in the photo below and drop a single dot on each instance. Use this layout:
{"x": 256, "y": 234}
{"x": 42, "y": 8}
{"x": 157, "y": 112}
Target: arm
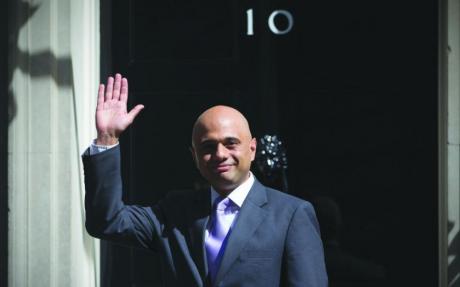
{"x": 106, "y": 215}
{"x": 304, "y": 258}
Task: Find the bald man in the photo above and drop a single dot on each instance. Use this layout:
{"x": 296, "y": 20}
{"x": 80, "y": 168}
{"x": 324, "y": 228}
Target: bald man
{"x": 238, "y": 233}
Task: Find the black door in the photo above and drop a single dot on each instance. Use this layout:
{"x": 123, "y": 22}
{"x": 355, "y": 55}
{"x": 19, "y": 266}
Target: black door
{"x": 351, "y": 87}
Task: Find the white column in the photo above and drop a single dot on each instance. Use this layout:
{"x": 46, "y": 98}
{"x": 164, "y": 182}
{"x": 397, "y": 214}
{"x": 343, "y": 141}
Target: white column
{"x": 85, "y": 35}
{"x": 55, "y": 64}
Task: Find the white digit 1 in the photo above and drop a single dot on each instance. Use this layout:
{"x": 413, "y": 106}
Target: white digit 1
{"x": 250, "y": 26}
{"x": 271, "y": 22}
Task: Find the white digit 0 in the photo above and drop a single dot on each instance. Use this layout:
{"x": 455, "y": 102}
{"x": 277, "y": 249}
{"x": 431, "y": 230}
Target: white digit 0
{"x": 271, "y": 22}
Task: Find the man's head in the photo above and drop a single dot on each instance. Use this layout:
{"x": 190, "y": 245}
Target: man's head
{"x": 223, "y": 148}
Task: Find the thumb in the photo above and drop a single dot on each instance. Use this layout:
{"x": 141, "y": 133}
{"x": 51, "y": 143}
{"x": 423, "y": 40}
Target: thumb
{"x": 134, "y": 112}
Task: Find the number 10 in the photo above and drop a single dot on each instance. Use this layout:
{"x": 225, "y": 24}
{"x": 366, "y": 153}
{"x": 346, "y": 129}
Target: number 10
{"x": 271, "y": 22}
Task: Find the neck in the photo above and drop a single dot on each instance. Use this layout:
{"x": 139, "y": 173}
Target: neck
{"x": 224, "y": 191}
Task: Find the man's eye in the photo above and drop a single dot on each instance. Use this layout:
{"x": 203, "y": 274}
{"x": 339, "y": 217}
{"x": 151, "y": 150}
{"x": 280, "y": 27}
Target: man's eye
{"x": 207, "y": 148}
{"x": 231, "y": 145}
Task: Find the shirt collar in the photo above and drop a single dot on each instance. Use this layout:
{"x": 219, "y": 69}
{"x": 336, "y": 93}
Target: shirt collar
{"x": 239, "y": 194}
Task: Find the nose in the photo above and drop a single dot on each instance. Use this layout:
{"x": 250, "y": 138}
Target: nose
{"x": 221, "y": 152}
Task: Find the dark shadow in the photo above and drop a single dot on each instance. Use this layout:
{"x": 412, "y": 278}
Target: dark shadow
{"x": 344, "y": 269}
{"x": 26, "y": 10}
{"x": 43, "y": 64}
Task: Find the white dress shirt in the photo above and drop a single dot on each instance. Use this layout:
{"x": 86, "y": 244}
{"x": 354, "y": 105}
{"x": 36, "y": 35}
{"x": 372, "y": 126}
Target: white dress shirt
{"x": 237, "y": 196}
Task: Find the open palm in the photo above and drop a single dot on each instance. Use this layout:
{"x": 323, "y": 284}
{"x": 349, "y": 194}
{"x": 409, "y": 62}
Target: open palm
{"x": 112, "y": 117}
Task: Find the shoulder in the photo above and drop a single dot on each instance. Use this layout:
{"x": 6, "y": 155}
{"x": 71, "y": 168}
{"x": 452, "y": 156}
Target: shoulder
{"x": 277, "y": 197}
{"x": 284, "y": 204}
{"x": 290, "y": 212}
{"x": 299, "y": 214}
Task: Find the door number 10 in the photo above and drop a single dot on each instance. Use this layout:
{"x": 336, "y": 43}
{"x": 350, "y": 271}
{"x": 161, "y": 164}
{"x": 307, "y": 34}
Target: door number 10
{"x": 271, "y": 22}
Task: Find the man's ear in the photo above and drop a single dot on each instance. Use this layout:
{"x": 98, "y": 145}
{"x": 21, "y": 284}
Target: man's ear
{"x": 192, "y": 151}
{"x": 253, "y": 147}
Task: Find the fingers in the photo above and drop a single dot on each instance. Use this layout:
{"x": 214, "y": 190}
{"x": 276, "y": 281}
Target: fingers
{"x": 109, "y": 90}
{"x": 116, "y": 88}
{"x": 134, "y": 112}
{"x": 124, "y": 90}
{"x": 100, "y": 97}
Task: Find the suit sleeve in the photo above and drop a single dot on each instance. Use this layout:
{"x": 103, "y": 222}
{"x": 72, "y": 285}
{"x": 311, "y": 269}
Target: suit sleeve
{"x": 107, "y": 217}
{"x": 304, "y": 256}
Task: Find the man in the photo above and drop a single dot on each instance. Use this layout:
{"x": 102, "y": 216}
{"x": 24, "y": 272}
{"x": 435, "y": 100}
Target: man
{"x": 239, "y": 233}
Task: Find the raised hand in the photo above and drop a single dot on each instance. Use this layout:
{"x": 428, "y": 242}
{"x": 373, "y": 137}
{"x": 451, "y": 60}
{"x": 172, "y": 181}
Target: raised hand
{"x": 112, "y": 117}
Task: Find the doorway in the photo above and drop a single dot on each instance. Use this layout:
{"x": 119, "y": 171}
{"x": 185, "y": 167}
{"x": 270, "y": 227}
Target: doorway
{"x": 350, "y": 87}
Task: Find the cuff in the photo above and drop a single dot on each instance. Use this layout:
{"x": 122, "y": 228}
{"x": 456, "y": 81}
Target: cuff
{"x": 95, "y": 149}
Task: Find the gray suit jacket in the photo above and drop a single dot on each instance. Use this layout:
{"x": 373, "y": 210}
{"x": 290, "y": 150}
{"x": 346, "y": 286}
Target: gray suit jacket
{"x": 275, "y": 240}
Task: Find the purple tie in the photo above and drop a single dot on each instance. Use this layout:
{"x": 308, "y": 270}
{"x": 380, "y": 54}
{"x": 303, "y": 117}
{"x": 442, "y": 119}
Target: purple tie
{"x": 221, "y": 221}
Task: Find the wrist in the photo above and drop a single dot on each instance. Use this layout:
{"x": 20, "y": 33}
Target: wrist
{"x": 106, "y": 139}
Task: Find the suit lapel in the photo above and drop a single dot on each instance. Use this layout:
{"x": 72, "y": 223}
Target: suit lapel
{"x": 249, "y": 218}
{"x": 202, "y": 211}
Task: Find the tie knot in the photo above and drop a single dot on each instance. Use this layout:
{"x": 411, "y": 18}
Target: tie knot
{"x": 225, "y": 205}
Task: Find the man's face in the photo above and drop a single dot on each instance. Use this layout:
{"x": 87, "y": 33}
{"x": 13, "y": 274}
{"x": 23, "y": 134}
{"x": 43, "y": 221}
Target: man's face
{"x": 223, "y": 151}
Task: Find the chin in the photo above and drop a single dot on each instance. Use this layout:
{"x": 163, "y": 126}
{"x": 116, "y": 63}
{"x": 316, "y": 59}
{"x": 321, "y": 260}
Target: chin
{"x": 225, "y": 185}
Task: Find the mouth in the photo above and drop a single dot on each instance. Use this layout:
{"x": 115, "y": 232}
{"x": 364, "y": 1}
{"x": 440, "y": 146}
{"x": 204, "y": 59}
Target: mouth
{"x": 223, "y": 168}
